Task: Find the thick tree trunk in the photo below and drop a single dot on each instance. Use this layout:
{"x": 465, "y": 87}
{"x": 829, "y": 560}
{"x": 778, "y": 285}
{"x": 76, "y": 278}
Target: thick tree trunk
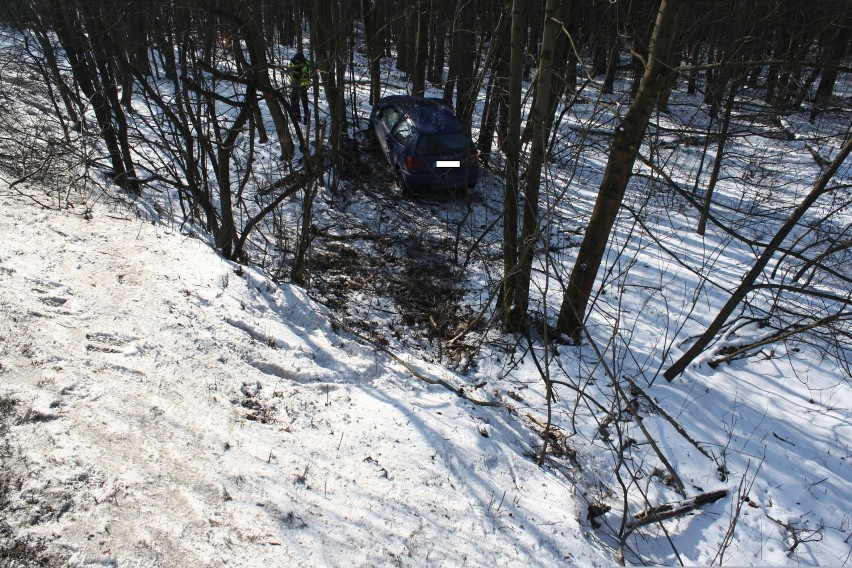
{"x": 563, "y": 72}
{"x": 406, "y": 28}
{"x": 464, "y": 43}
{"x": 541, "y": 118}
{"x": 625, "y": 146}
{"x": 540, "y": 130}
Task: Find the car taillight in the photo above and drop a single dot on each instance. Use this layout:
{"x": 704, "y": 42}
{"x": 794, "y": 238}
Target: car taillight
{"x": 474, "y": 155}
{"x": 412, "y": 163}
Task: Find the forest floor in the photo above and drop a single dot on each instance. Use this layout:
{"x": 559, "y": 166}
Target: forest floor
{"x": 161, "y": 406}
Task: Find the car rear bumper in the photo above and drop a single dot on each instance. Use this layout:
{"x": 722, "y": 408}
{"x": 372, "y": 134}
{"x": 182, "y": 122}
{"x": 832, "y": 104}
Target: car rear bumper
{"x": 452, "y": 178}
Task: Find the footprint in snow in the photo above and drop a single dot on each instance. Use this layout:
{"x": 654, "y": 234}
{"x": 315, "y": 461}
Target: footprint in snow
{"x": 51, "y": 294}
{"x": 111, "y": 343}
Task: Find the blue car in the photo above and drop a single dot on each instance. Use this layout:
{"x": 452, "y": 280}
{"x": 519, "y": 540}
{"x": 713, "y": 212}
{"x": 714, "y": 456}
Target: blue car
{"x": 425, "y": 143}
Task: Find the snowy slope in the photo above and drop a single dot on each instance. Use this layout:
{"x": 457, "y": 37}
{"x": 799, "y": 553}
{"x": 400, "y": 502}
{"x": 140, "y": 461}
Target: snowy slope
{"x": 172, "y": 409}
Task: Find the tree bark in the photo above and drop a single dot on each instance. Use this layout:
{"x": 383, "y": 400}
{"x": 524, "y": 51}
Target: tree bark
{"x": 421, "y": 44}
{"x": 464, "y": 43}
{"x": 717, "y": 161}
{"x": 512, "y": 150}
{"x": 257, "y": 49}
{"x": 439, "y": 44}
{"x": 625, "y": 146}
{"x": 837, "y": 49}
{"x": 373, "y": 30}
{"x": 227, "y": 233}
{"x": 330, "y": 25}
{"x": 540, "y": 118}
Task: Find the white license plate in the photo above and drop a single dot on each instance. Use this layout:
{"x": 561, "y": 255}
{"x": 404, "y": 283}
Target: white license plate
{"x": 448, "y": 164}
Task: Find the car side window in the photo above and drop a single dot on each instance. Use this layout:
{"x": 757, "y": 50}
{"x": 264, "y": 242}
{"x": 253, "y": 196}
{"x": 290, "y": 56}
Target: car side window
{"x": 389, "y": 117}
{"x": 404, "y": 132}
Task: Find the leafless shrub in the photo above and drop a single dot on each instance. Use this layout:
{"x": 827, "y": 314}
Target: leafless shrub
{"x": 41, "y": 158}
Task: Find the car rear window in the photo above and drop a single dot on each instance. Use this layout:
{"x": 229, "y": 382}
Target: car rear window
{"x": 443, "y": 144}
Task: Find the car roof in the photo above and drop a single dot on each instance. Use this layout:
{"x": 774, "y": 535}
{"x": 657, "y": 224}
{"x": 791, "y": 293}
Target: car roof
{"x": 431, "y": 116}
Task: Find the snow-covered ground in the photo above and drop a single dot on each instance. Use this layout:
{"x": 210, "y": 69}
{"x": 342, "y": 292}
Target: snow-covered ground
{"x": 174, "y": 409}
{"x": 169, "y": 408}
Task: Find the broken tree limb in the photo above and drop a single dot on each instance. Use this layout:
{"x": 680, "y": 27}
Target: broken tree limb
{"x": 669, "y": 418}
{"x": 675, "y": 477}
{"x": 458, "y": 391}
{"x": 671, "y": 510}
{"x": 781, "y": 335}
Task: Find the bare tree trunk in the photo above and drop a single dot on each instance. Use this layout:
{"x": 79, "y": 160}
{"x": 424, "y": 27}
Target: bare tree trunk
{"x": 611, "y": 67}
{"x": 299, "y": 273}
{"x": 330, "y": 25}
{"x": 837, "y": 49}
{"x": 406, "y": 31}
{"x": 93, "y": 38}
{"x": 495, "y": 72}
{"x": 717, "y": 161}
{"x": 439, "y": 43}
{"x": 540, "y": 131}
{"x": 488, "y": 123}
{"x": 626, "y": 142}
{"x": 257, "y": 48}
{"x": 227, "y": 234}
{"x": 563, "y": 64}
{"x": 513, "y": 150}
{"x": 69, "y": 99}
{"x": 164, "y": 33}
{"x": 736, "y": 37}
{"x": 464, "y": 43}
{"x": 374, "y": 31}
{"x": 421, "y": 44}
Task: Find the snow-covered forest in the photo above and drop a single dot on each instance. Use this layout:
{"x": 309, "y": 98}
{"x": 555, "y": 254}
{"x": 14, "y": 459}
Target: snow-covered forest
{"x": 228, "y": 339}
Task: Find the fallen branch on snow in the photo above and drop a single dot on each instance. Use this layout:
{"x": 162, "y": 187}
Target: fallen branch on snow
{"x": 458, "y": 391}
{"x": 672, "y": 510}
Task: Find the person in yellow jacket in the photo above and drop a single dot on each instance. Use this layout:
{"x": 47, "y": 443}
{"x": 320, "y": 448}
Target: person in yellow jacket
{"x": 300, "y": 80}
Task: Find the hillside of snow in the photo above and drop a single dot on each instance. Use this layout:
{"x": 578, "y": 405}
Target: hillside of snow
{"x": 168, "y": 408}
